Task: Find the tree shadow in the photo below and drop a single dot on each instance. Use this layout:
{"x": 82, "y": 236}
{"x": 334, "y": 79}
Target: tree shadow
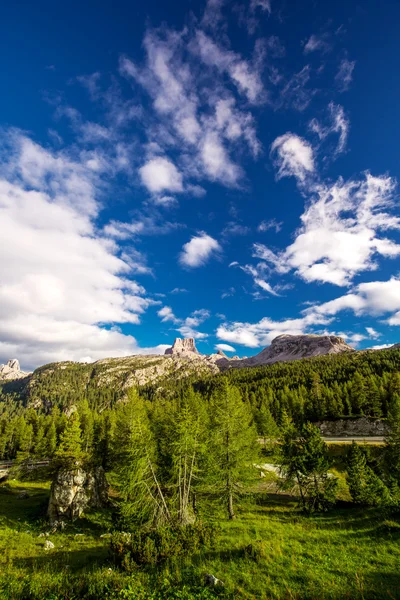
{"x": 67, "y": 560}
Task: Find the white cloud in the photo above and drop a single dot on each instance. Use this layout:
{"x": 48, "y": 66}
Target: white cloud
{"x": 344, "y": 76}
{"x": 60, "y": 280}
{"x": 225, "y": 348}
{"x": 254, "y": 335}
{"x": 264, "y": 5}
{"x": 271, "y": 224}
{"x": 160, "y": 174}
{"x": 373, "y": 298}
{"x": 372, "y": 333}
{"x": 187, "y": 327}
{"x": 317, "y": 43}
{"x": 216, "y": 161}
{"x": 293, "y": 156}
{"x": 199, "y": 250}
{"x": 166, "y": 314}
{"x": 339, "y": 124}
{"x": 245, "y": 76}
{"x": 340, "y": 229}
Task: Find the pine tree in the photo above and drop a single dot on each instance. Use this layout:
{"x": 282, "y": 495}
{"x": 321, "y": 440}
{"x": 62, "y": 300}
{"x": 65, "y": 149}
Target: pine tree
{"x": 69, "y": 453}
{"x": 266, "y": 426}
{"x": 364, "y": 485}
{"x": 234, "y": 444}
{"x": 305, "y": 462}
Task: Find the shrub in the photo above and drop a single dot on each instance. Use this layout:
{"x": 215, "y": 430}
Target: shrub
{"x": 156, "y": 545}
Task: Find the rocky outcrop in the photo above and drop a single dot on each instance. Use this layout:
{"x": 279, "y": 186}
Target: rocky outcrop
{"x": 182, "y": 347}
{"x": 356, "y": 426}
{"x": 294, "y": 347}
{"x": 73, "y": 491}
{"x": 11, "y": 371}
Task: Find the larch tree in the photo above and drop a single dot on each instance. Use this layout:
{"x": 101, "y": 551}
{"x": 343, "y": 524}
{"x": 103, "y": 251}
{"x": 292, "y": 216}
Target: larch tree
{"x": 135, "y": 461}
{"x": 234, "y": 444}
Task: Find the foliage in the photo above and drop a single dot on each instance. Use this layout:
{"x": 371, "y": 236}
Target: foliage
{"x": 305, "y": 462}
{"x": 234, "y": 445}
{"x": 156, "y": 545}
{"x": 364, "y": 485}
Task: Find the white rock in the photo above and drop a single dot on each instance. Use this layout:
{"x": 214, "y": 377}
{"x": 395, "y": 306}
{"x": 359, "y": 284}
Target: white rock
{"x": 182, "y": 346}
{"x": 48, "y": 545}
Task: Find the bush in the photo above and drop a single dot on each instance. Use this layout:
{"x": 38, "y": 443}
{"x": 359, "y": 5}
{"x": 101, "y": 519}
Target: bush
{"x": 154, "y": 546}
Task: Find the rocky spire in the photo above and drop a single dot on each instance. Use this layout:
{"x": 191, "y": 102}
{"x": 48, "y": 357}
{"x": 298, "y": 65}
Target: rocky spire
{"x": 183, "y": 346}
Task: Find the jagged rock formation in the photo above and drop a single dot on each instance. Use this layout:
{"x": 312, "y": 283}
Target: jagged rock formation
{"x": 11, "y": 371}
{"x": 74, "y": 491}
{"x": 295, "y": 347}
{"x": 182, "y": 347}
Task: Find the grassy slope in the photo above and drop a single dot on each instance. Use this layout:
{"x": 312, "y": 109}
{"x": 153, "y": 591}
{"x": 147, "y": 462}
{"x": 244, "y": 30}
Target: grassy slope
{"x": 347, "y": 553}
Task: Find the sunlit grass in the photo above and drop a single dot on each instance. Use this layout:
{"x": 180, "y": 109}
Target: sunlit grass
{"x": 347, "y": 553}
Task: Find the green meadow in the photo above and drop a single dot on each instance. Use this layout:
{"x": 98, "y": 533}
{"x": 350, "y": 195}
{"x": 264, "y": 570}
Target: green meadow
{"x": 271, "y": 550}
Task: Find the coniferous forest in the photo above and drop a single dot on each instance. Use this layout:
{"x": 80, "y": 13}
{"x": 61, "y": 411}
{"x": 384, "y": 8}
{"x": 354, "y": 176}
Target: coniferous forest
{"x": 201, "y": 473}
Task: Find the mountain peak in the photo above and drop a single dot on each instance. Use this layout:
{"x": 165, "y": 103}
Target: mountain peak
{"x": 294, "y": 347}
{"x": 183, "y": 346}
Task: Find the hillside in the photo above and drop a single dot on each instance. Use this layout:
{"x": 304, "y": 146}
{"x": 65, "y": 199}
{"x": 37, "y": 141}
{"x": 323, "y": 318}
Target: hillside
{"x": 339, "y": 384}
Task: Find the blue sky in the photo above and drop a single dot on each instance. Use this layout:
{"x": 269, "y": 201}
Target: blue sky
{"x": 223, "y": 170}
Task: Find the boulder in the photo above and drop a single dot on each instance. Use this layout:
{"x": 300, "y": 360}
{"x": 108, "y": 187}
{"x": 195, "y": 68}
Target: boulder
{"x": 48, "y": 545}
{"x": 73, "y": 491}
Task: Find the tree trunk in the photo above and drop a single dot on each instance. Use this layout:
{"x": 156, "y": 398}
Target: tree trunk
{"x": 230, "y": 507}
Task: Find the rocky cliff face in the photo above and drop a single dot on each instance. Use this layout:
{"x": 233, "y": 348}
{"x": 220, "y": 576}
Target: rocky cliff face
{"x": 295, "y": 347}
{"x": 182, "y": 346}
{"x": 11, "y": 371}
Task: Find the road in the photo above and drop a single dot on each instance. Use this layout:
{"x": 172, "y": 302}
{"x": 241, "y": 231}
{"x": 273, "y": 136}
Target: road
{"x": 378, "y": 439}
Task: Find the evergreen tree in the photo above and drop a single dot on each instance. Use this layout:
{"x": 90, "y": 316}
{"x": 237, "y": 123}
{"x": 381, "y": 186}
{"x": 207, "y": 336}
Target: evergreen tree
{"x": 305, "y": 462}
{"x": 266, "y": 426}
{"x": 364, "y": 485}
{"x": 69, "y": 453}
{"x": 135, "y": 460}
{"x": 234, "y": 444}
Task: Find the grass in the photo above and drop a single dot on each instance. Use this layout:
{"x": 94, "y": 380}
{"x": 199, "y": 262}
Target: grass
{"x": 270, "y": 551}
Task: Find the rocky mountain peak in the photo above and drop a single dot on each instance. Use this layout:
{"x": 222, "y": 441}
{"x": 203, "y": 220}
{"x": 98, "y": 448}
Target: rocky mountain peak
{"x": 183, "y": 346}
{"x": 13, "y": 363}
{"x": 294, "y": 347}
{"x": 11, "y": 370}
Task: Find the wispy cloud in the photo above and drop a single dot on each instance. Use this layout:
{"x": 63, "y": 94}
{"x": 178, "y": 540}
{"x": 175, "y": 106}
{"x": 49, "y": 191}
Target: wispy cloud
{"x": 344, "y": 76}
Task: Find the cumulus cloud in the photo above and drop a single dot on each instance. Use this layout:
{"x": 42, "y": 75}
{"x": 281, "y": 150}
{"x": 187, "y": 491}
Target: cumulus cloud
{"x": 340, "y": 233}
{"x": 374, "y": 298}
{"x": 199, "y": 250}
{"x": 63, "y": 286}
{"x": 254, "y": 335}
{"x": 160, "y": 174}
{"x": 292, "y": 156}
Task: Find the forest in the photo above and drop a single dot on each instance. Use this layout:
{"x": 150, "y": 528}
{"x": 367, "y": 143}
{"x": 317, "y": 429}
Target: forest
{"x": 184, "y": 461}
